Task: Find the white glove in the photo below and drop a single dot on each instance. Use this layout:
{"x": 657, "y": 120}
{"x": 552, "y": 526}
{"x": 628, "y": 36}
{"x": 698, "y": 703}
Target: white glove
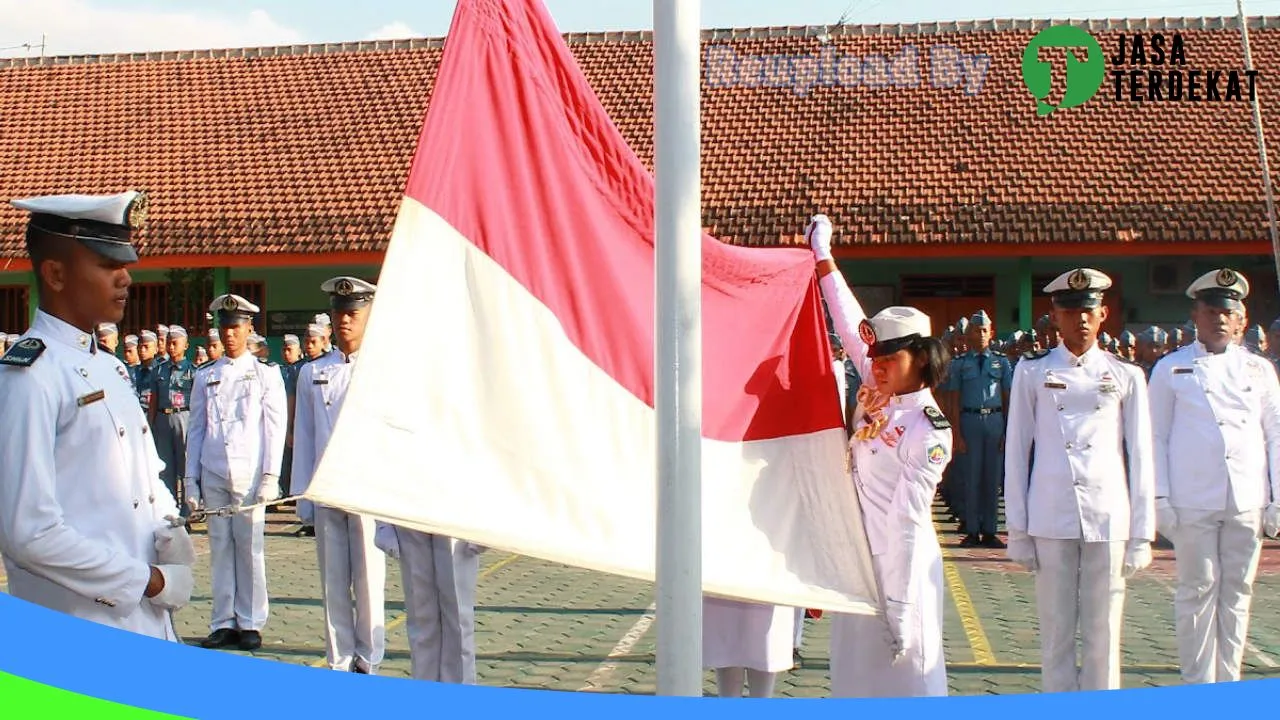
{"x": 386, "y": 540}
{"x": 1271, "y": 520}
{"x": 895, "y": 615}
{"x": 1022, "y": 550}
{"x": 1166, "y": 517}
{"x": 191, "y": 489}
{"x": 306, "y": 512}
{"x": 1136, "y": 557}
{"x": 174, "y": 546}
{"x": 178, "y": 584}
{"x": 818, "y": 233}
{"x": 268, "y": 490}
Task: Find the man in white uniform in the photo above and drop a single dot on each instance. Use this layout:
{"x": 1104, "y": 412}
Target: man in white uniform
{"x": 1075, "y": 516}
{"x": 350, "y": 564}
{"x": 83, "y": 526}
{"x": 439, "y": 575}
{"x": 235, "y": 444}
{"x": 1215, "y": 415}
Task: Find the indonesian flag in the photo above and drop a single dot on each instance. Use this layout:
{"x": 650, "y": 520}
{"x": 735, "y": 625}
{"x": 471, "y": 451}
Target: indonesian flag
{"x": 504, "y": 393}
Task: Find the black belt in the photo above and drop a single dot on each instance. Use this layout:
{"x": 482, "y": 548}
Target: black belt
{"x": 170, "y": 411}
{"x": 983, "y": 411}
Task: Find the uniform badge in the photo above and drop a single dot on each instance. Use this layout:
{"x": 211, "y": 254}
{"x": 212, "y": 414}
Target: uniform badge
{"x": 344, "y": 287}
{"x": 937, "y": 455}
{"x": 1078, "y": 280}
{"x": 936, "y": 418}
{"x": 1183, "y": 371}
{"x": 1226, "y": 278}
{"x": 867, "y": 332}
{"x": 1055, "y": 385}
{"x": 1108, "y": 388}
{"x": 1255, "y": 369}
{"x": 24, "y": 353}
{"x": 230, "y": 305}
{"x": 91, "y": 398}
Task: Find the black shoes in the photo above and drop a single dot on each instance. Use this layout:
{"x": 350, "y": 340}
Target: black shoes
{"x": 220, "y": 638}
{"x": 971, "y": 541}
{"x": 250, "y": 640}
{"x": 306, "y": 531}
{"x": 993, "y": 541}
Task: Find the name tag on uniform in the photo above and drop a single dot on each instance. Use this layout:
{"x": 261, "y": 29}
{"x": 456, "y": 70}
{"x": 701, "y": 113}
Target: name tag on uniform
{"x": 92, "y": 397}
{"x": 1056, "y": 385}
{"x": 320, "y": 381}
{"x": 1108, "y": 388}
{"x": 211, "y": 383}
{"x": 1183, "y": 371}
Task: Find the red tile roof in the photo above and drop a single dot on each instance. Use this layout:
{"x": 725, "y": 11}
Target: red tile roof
{"x": 305, "y": 149}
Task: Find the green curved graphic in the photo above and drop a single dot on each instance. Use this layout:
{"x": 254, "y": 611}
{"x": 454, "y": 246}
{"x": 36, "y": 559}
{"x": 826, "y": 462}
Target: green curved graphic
{"x": 1083, "y": 77}
{"x": 21, "y": 698}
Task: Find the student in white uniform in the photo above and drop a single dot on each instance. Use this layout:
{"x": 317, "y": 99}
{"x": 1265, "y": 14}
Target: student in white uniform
{"x": 351, "y": 566}
{"x": 1215, "y": 416}
{"x": 235, "y": 444}
{"x": 439, "y": 576}
{"x": 901, "y": 445}
{"x": 83, "y": 513}
{"x": 1078, "y": 517}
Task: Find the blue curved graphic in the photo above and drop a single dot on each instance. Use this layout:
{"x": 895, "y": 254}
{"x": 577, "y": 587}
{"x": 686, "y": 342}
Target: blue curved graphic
{"x": 57, "y": 650}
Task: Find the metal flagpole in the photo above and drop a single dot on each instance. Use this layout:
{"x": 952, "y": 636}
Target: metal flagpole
{"x": 678, "y": 350}
{"x": 1262, "y": 145}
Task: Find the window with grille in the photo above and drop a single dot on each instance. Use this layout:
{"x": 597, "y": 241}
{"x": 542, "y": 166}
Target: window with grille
{"x": 255, "y": 291}
{"x": 13, "y": 309}
{"x": 148, "y": 307}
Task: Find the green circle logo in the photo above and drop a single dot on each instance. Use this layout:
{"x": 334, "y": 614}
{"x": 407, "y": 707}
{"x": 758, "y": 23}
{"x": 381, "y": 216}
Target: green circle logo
{"x": 1083, "y": 77}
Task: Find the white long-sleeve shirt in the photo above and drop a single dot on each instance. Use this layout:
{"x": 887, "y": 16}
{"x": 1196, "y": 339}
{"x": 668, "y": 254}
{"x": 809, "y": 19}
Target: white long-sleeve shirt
{"x": 1082, "y": 415}
{"x": 1216, "y": 429}
{"x": 239, "y": 418}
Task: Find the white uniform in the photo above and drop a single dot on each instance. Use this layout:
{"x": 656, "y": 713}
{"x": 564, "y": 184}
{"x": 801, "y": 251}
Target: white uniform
{"x": 350, "y": 564}
{"x": 80, "y": 489}
{"x": 897, "y": 473}
{"x": 1216, "y": 429}
{"x": 1077, "y": 502}
{"x": 237, "y": 431}
{"x": 439, "y": 575}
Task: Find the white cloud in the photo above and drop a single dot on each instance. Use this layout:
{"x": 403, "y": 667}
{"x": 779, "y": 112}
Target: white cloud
{"x": 394, "y": 31}
{"x": 77, "y": 27}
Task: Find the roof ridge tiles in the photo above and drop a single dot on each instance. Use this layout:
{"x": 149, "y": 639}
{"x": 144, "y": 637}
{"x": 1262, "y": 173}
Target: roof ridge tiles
{"x": 941, "y": 27}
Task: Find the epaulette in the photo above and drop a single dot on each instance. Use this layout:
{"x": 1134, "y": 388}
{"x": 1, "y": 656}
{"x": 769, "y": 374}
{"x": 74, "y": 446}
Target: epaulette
{"x": 24, "y": 353}
{"x": 267, "y": 362}
{"x": 1035, "y": 355}
{"x": 936, "y": 418}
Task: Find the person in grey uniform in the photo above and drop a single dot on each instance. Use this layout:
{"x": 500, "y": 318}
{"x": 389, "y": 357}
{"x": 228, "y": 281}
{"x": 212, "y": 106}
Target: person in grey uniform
{"x": 170, "y": 410}
{"x": 979, "y": 383}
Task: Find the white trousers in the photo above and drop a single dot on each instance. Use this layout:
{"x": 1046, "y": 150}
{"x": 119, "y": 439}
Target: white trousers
{"x": 439, "y": 576}
{"x": 353, "y": 576}
{"x": 1080, "y": 585}
{"x": 237, "y": 560}
{"x": 1217, "y": 557}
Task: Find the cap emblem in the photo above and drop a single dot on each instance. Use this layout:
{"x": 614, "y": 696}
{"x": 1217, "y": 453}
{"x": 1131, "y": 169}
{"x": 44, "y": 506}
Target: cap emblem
{"x": 1226, "y": 278}
{"x": 230, "y": 305}
{"x": 867, "y": 332}
{"x": 1078, "y": 280}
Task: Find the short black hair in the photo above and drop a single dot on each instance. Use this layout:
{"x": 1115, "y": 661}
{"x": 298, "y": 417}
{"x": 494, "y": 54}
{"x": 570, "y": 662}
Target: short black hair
{"x": 937, "y": 360}
{"x": 43, "y": 247}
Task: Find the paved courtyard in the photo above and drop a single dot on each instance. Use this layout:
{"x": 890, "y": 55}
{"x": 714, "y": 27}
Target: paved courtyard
{"x": 542, "y": 625}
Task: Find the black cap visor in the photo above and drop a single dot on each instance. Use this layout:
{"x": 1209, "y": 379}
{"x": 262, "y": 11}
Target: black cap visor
{"x": 1225, "y": 299}
{"x": 231, "y": 318}
{"x": 1077, "y": 300}
{"x": 889, "y": 347}
{"x": 109, "y": 241}
{"x": 350, "y": 302}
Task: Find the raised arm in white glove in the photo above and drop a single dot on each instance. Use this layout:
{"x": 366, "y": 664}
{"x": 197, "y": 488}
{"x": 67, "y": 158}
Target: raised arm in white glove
{"x": 178, "y": 584}
{"x": 1137, "y": 557}
{"x": 1022, "y": 550}
{"x": 818, "y": 233}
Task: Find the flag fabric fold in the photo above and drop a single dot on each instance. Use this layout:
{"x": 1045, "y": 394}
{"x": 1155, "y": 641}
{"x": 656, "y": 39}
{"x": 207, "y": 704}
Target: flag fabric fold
{"x": 505, "y": 389}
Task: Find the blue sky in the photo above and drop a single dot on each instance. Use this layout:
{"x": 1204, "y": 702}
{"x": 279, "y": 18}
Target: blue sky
{"x": 91, "y": 26}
